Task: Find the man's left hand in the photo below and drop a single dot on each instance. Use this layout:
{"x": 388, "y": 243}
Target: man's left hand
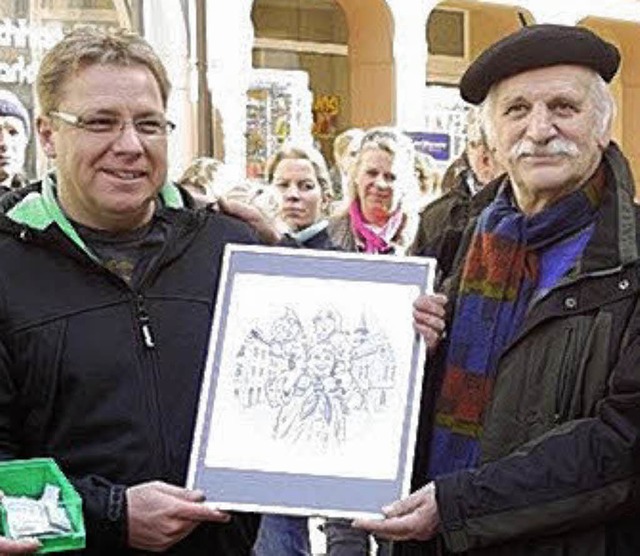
{"x": 429, "y": 318}
{"x": 415, "y": 517}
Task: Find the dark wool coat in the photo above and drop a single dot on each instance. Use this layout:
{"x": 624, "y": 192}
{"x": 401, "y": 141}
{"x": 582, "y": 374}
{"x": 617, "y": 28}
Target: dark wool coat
{"x": 560, "y": 473}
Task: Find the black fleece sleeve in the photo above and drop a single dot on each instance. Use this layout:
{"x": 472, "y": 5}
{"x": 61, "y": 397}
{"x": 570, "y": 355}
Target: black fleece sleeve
{"x": 104, "y": 507}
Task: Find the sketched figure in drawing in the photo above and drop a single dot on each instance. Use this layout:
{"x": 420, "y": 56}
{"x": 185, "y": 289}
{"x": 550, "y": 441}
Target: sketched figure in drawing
{"x": 316, "y": 410}
{"x": 314, "y": 377}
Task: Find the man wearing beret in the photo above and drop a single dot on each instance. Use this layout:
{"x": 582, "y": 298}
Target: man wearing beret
{"x": 15, "y": 129}
{"x": 530, "y": 433}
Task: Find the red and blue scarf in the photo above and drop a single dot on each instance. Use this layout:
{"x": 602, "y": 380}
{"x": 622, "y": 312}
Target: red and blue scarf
{"x": 505, "y": 265}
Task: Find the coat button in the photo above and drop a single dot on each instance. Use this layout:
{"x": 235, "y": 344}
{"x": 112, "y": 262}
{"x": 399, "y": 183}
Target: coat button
{"x": 570, "y": 302}
{"x": 624, "y": 284}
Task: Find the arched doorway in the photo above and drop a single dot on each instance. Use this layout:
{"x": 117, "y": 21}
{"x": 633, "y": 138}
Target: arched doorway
{"x": 345, "y": 49}
{"x": 371, "y": 30}
{"x": 300, "y": 80}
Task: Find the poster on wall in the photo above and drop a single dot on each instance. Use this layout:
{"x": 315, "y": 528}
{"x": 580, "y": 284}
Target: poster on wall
{"x": 278, "y": 109}
{"x": 326, "y": 109}
{"x": 444, "y": 127}
{"x": 437, "y": 145}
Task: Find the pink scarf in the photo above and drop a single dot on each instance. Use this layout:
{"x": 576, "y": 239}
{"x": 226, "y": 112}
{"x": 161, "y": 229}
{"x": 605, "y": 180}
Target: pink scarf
{"x": 379, "y": 242}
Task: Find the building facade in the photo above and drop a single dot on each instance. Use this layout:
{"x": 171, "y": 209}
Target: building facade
{"x": 250, "y": 74}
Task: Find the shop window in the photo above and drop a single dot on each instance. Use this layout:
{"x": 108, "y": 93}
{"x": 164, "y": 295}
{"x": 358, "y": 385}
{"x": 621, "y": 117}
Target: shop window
{"x": 447, "y": 36}
{"x": 300, "y": 20}
{"x": 308, "y": 36}
{"x": 446, "y": 33}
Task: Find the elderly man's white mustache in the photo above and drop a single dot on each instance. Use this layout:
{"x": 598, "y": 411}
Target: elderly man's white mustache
{"x": 557, "y": 146}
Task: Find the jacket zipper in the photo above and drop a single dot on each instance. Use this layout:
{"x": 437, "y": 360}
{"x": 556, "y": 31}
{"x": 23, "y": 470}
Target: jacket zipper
{"x": 144, "y": 323}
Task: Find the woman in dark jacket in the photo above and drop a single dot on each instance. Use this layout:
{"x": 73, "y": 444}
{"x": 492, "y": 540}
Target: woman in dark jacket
{"x": 300, "y": 181}
{"x": 300, "y": 184}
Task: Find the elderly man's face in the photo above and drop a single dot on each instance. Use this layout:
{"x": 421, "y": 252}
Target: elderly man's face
{"x": 13, "y": 145}
{"x": 547, "y": 131}
{"x": 108, "y": 180}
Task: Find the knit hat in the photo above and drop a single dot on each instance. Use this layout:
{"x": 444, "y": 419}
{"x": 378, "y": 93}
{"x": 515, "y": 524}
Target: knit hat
{"x": 10, "y": 105}
{"x": 537, "y": 46}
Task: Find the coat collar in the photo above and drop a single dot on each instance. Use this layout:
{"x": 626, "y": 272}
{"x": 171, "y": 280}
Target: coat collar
{"x": 39, "y": 209}
{"x": 615, "y": 239}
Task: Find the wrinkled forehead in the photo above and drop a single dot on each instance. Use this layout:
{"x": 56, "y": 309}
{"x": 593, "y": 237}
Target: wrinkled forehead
{"x": 548, "y": 82}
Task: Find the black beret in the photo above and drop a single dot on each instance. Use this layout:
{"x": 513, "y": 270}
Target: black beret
{"x": 537, "y": 46}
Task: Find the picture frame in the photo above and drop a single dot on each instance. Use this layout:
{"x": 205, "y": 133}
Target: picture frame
{"x": 311, "y": 390}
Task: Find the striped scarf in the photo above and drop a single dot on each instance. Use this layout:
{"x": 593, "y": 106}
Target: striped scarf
{"x": 500, "y": 274}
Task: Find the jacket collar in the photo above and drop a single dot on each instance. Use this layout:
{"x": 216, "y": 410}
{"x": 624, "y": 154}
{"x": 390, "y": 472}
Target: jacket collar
{"x": 614, "y": 242}
{"x": 39, "y": 209}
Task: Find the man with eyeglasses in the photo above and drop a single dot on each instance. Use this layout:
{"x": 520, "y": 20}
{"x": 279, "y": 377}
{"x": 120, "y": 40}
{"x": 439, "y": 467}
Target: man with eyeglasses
{"x": 107, "y": 279}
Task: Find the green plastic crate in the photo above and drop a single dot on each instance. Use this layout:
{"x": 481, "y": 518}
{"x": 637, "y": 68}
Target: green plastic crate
{"x": 28, "y": 478}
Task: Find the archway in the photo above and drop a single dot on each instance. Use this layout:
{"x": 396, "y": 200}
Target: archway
{"x": 371, "y": 29}
{"x": 625, "y": 86}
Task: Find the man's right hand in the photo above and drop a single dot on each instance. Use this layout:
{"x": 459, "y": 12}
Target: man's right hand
{"x": 160, "y": 514}
{"x": 263, "y": 226}
{"x": 22, "y": 546}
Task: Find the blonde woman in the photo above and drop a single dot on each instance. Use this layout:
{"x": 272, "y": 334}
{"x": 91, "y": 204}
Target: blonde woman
{"x": 300, "y": 184}
{"x": 380, "y": 217}
{"x": 381, "y": 214}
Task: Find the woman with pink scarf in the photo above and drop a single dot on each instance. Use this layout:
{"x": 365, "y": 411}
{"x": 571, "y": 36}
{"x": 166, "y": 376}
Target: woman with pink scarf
{"x": 381, "y": 217}
{"x": 381, "y": 214}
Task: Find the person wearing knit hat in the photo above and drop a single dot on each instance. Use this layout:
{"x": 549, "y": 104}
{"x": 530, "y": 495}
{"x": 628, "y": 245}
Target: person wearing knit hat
{"x": 529, "y": 438}
{"x": 15, "y": 130}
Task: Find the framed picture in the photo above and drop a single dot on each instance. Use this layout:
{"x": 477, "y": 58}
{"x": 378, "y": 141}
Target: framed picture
{"x": 311, "y": 391}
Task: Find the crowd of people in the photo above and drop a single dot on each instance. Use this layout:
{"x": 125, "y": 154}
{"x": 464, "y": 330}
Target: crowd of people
{"x": 529, "y": 430}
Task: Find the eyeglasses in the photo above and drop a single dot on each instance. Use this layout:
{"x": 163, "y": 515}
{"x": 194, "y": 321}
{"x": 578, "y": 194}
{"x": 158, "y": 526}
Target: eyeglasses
{"x": 101, "y": 124}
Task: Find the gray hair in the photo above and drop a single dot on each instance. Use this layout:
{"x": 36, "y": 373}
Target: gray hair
{"x": 394, "y": 142}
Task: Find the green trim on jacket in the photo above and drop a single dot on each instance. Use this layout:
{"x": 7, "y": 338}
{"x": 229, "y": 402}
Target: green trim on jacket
{"x": 41, "y": 210}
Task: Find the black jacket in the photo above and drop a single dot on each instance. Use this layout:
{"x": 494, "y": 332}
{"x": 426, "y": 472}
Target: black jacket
{"x": 79, "y": 381}
{"x": 560, "y": 473}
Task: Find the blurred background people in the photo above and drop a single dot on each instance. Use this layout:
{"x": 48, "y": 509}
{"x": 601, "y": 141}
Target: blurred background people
{"x": 429, "y": 179}
{"x": 464, "y": 195}
{"x": 345, "y": 149}
{"x": 299, "y": 179}
{"x": 15, "y": 130}
{"x": 477, "y": 165}
{"x": 199, "y": 179}
{"x": 207, "y": 180}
